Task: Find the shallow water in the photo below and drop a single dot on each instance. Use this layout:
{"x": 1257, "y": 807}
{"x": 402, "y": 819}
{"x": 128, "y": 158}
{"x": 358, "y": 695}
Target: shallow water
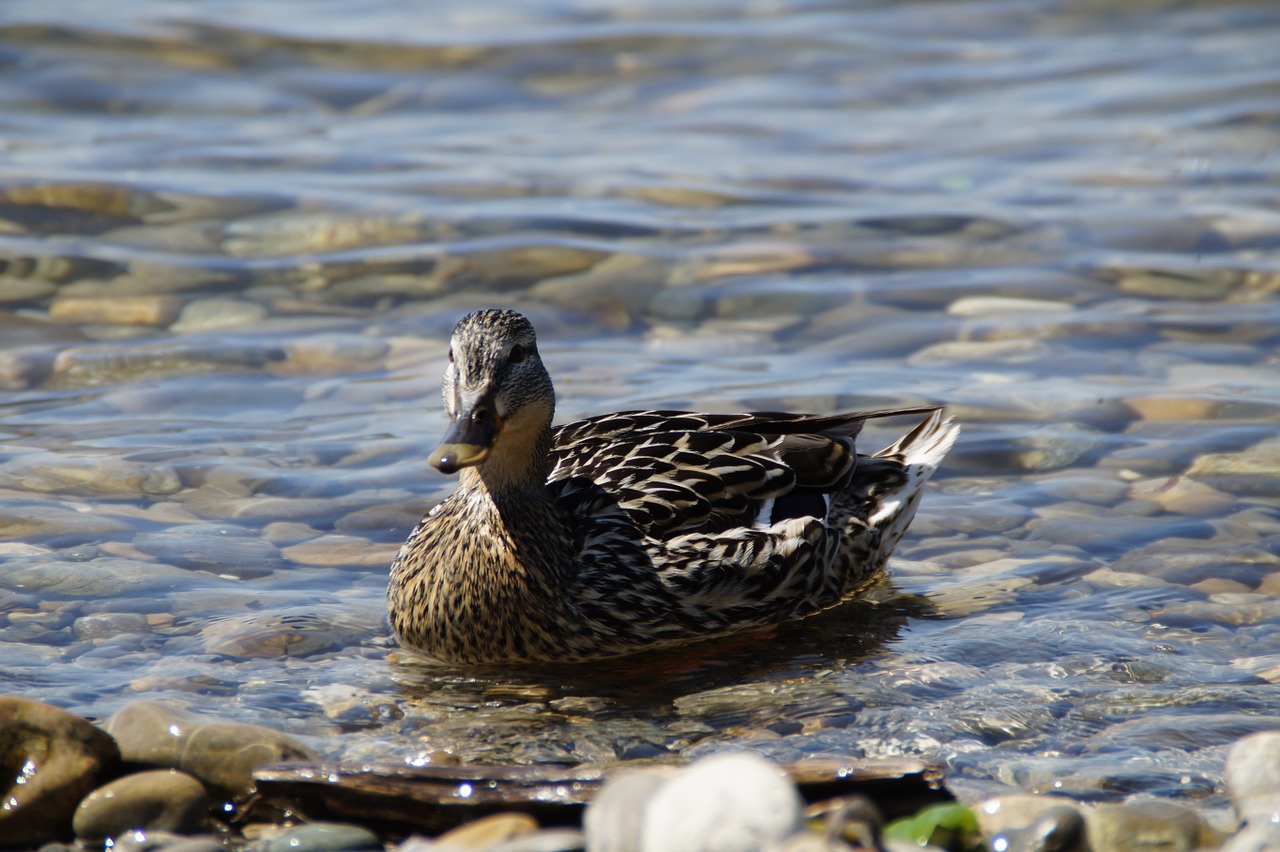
{"x": 233, "y": 242}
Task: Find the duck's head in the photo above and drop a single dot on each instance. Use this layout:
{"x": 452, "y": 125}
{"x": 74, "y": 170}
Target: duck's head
{"x": 496, "y": 391}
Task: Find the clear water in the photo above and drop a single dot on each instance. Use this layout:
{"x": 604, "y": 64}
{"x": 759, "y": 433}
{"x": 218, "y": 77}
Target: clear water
{"x": 234, "y": 236}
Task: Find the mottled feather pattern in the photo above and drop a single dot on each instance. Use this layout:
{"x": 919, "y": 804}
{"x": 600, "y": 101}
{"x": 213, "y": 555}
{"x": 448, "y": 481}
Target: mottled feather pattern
{"x": 643, "y": 529}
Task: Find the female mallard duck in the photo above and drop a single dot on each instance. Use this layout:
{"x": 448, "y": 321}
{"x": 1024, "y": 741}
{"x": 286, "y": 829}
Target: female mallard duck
{"x": 638, "y": 530}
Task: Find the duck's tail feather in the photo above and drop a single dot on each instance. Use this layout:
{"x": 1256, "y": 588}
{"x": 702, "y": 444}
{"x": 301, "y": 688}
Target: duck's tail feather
{"x": 919, "y": 452}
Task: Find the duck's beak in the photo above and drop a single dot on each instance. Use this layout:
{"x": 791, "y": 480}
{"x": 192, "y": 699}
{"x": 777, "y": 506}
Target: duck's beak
{"x": 468, "y": 439}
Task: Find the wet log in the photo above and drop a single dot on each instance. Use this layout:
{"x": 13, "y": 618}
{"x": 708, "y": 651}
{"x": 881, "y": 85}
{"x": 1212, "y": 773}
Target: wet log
{"x": 398, "y": 799}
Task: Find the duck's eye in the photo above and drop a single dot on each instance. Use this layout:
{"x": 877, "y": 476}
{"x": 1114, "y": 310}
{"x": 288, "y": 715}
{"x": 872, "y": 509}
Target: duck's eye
{"x": 516, "y": 355}
{"x": 450, "y": 354}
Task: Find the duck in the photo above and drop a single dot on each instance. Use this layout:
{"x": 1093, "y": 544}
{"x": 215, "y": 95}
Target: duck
{"x": 636, "y": 531}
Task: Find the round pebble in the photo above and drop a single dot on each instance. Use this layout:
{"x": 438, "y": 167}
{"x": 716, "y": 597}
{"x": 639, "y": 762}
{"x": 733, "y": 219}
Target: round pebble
{"x": 221, "y": 754}
{"x": 160, "y": 800}
{"x": 735, "y": 802}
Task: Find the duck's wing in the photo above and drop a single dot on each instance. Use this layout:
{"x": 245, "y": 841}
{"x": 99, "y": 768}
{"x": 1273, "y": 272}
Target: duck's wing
{"x": 676, "y": 472}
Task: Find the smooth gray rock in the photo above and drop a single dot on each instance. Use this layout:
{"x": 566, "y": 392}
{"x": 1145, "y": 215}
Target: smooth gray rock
{"x": 320, "y": 837}
{"x": 160, "y": 800}
{"x": 221, "y": 754}
{"x": 1149, "y": 824}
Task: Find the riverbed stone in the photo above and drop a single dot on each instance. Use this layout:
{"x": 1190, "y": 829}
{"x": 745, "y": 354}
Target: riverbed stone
{"x": 728, "y": 802}
{"x": 217, "y": 313}
{"x": 43, "y": 522}
{"x": 1250, "y": 472}
{"x": 615, "y": 816}
{"x": 50, "y": 760}
{"x": 544, "y": 840}
{"x": 159, "y": 800}
{"x": 23, "y": 367}
{"x": 1183, "y": 495}
{"x": 109, "y": 476}
{"x": 222, "y": 754}
{"x": 225, "y": 549}
{"x": 1148, "y": 824}
{"x": 99, "y": 578}
{"x": 486, "y": 832}
{"x": 164, "y": 841}
{"x": 1057, "y": 829}
{"x": 341, "y": 551}
{"x": 148, "y": 310}
{"x": 319, "y": 837}
{"x": 1253, "y": 778}
{"x": 1254, "y": 838}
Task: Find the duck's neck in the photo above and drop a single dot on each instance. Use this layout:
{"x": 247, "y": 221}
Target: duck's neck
{"x": 514, "y": 472}
{"x": 511, "y": 510}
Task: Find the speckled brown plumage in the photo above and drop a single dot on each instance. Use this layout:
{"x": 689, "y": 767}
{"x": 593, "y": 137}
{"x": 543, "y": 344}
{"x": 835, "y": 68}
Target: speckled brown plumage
{"x": 642, "y": 529}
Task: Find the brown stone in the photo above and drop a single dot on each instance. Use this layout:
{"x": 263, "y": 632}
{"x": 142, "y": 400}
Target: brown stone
{"x": 49, "y": 761}
{"x": 116, "y": 310}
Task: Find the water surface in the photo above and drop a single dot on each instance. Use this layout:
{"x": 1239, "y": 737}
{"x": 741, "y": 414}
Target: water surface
{"x": 234, "y": 238}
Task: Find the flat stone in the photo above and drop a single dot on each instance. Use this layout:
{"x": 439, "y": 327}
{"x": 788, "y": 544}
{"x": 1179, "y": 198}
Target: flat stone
{"x": 52, "y": 760}
{"x": 1183, "y": 495}
{"x": 1148, "y": 825}
{"x": 222, "y": 754}
{"x": 115, "y": 310}
{"x": 165, "y": 841}
{"x": 487, "y": 832}
{"x": 267, "y": 508}
{"x": 109, "y": 624}
{"x": 1218, "y": 586}
{"x": 267, "y": 635}
{"x": 217, "y": 313}
{"x": 30, "y": 522}
{"x": 341, "y": 550}
{"x": 16, "y": 290}
{"x": 728, "y": 802}
{"x": 1251, "y": 472}
{"x": 330, "y": 353}
{"x": 159, "y": 800}
{"x": 225, "y": 549}
{"x": 320, "y": 837}
{"x": 1158, "y": 732}
{"x": 1101, "y": 533}
{"x": 110, "y": 476}
{"x": 629, "y": 280}
{"x": 1172, "y": 407}
{"x": 1002, "y": 352}
{"x": 546, "y": 840}
{"x": 1258, "y": 609}
{"x": 103, "y": 577}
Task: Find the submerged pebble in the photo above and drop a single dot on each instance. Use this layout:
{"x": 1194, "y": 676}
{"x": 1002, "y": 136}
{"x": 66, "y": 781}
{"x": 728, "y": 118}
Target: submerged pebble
{"x": 221, "y": 754}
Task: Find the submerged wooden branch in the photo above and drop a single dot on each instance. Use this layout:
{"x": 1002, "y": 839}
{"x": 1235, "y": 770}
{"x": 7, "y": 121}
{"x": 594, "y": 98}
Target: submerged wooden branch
{"x": 397, "y": 798}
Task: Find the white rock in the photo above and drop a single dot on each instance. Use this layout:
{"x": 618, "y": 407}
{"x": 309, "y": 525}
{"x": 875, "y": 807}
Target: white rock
{"x": 724, "y": 803}
{"x": 1253, "y": 778}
